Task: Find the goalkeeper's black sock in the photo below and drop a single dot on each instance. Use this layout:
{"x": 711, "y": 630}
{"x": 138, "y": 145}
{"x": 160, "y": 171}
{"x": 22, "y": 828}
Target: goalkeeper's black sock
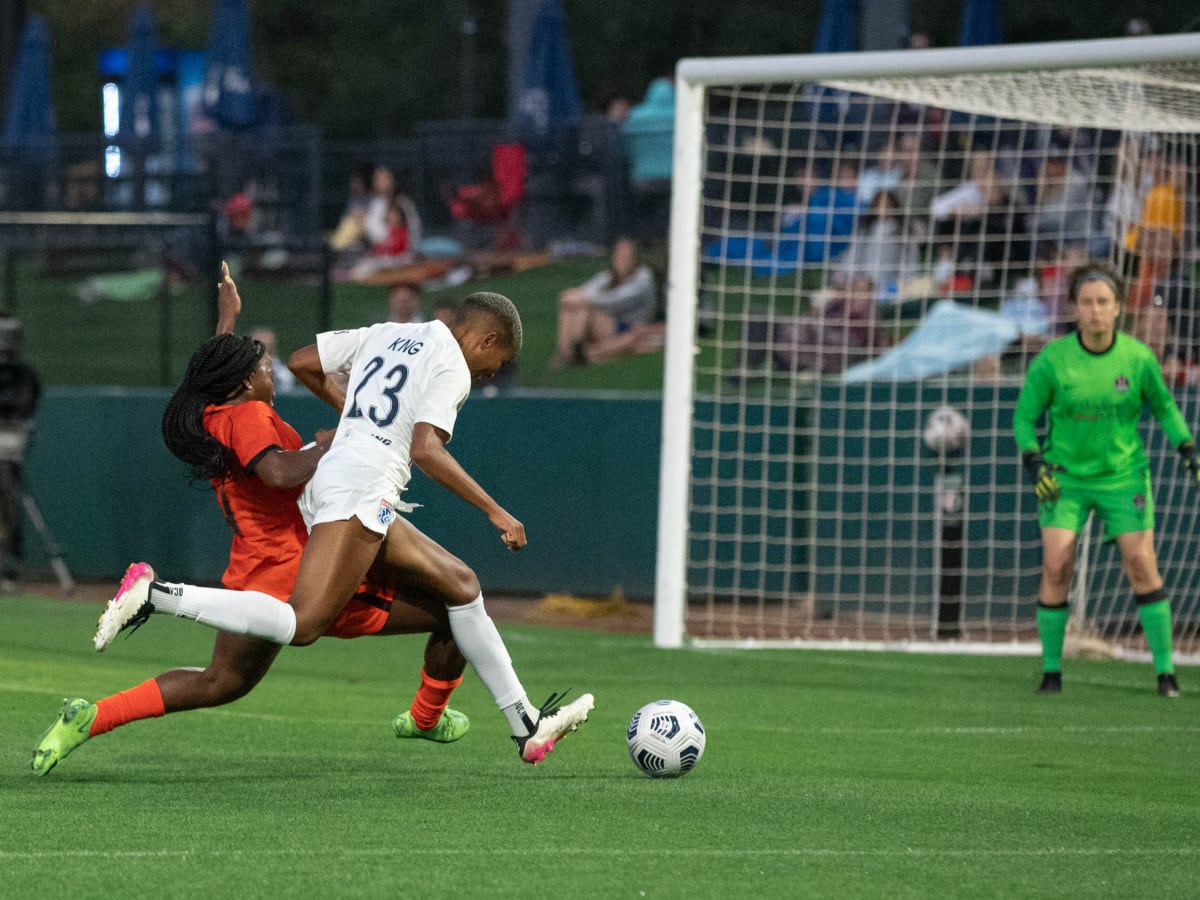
{"x": 1155, "y": 612}
{"x": 1052, "y": 629}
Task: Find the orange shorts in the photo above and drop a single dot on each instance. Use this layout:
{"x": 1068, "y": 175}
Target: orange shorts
{"x": 364, "y": 614}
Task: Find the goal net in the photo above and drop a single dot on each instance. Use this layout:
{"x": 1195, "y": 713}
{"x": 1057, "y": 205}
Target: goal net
{"x": 866, "y": 252}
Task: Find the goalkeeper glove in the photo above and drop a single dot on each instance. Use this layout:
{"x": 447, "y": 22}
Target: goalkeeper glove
{"x": 1190, "y": 459}
{"x": 1045, "y": 485}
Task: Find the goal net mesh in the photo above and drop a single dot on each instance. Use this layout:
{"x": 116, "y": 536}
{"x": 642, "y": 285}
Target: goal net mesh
{"x": 872, "y": 250}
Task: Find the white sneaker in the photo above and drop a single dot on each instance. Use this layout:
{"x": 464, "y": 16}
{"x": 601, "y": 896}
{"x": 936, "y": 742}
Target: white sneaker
{"x": 130, "y": 607}
{"x": 553, "y": 723}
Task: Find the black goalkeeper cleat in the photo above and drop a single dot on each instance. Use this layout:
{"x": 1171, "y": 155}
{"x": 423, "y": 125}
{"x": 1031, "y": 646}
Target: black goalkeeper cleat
{"x": 1051, "y": 683}
{"x": 1168, "y": 686}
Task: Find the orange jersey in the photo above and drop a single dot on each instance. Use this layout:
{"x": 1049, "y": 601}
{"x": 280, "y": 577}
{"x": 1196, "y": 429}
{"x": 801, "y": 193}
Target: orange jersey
{"x": 268, "y": 530}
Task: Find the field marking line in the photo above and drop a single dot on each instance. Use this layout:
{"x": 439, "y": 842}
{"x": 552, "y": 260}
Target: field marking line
{"x": 797, "y": 852}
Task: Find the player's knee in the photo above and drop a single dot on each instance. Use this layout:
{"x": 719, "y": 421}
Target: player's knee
{"x": 463, "y": 584}
{"x": 306, "y": 633}
{"x": 1057, "y": 570}
{"x": 224, "y": 686}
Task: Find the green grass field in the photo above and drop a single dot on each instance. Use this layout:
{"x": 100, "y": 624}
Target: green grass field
{"x": 827, "y": 774}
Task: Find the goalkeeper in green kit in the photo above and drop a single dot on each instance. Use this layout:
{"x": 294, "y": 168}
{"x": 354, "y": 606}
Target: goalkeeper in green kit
{"x": 1092, "y": 385}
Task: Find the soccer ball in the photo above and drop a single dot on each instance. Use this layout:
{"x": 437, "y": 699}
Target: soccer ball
{"x": 665, "y": 739}
{"x": 946, "y": 430}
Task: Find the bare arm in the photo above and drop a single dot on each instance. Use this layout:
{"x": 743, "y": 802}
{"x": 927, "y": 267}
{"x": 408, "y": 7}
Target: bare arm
{"x": 229, "y": 304}
{"x": 429, "y": 453}
{"x": 305, "y": 364}
{"x": 287, "y": 468}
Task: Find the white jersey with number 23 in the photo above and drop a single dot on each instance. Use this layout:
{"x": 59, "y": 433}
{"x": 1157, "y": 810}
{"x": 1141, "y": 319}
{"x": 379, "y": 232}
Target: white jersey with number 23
{"x": 399, "y": 374}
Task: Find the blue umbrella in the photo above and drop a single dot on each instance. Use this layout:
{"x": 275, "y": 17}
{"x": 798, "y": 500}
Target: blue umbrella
{"x": 838, "y": 28}
{"x": 139, "y": 91}
{"x": 837, "y": 32}
{"x": 30, "y": 128}
{"x": 980, "y": 24}
{"x": 228, "y": 91}
{"x": 550, "y": 103}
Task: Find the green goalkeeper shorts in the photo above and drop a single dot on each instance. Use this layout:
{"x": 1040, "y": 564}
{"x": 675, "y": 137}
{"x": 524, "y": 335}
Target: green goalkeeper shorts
{"x": 1123, "y": 505}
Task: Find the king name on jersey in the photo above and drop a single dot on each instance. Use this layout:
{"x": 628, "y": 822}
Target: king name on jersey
{"x": 410, "y": 346}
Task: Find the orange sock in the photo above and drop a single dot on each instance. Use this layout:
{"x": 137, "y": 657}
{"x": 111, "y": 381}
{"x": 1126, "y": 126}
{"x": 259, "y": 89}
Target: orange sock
{"x": 432, "y": 697}
{"x": 142, "y": 702}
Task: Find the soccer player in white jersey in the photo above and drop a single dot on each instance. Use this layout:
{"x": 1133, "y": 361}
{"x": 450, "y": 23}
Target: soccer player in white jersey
{"x": 399, "y": 388}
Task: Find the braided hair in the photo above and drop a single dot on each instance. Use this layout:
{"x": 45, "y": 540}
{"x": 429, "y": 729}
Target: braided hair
{"x": 214, "y": 373}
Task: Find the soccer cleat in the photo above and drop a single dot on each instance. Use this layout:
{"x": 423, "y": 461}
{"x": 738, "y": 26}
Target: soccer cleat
{"x": 1167, "y": 685}
{"x": 130, "y": 608}
{"x": 1051, "y": 683}
{"x": 450, "y": 727}
{"x": 68, "y": 732}
{"x": 554, "y": 722}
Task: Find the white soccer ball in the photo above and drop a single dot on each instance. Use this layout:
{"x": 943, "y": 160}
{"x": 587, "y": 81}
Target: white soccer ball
{"x": 666, "y": 739}
{"x": 946, "y": 430}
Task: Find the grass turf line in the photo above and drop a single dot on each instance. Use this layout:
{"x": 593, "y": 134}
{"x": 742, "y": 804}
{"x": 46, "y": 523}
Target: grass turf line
{"x": 826, "y": 774}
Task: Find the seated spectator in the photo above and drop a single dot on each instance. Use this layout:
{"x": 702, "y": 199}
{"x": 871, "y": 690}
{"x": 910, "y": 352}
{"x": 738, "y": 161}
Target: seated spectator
{"x": 1054, "y": 279}
{"x": 980, "y": 224}
{"x": 1162, "y": 301}
{"x": 1061, "y": 206}
{"x": 349, "y": 235}
{"x": 390, "y": 208}
{"x": 842, "y": 333}
{"x": 820, "y": 231}
{"x": 881, "y": 248}
{"x": 904, "y": 170}
{"x": 396, "y": 242}
{"x": 404, "y": 303}
{"x": 608, "y": 315}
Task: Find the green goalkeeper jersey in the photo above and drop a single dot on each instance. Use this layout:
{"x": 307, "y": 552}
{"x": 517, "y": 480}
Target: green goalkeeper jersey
{"x": 1093, "y": 403}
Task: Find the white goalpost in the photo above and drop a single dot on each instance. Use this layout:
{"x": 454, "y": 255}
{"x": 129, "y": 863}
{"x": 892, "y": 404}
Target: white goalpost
{"x": 861, "y": 240}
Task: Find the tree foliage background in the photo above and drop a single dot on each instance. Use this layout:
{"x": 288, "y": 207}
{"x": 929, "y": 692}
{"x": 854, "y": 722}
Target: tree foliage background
{"x": 369, "y": 68}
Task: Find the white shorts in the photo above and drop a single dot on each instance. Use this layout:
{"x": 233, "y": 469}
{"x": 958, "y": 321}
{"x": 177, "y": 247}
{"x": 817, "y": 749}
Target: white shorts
{"x": 334, "y": 496}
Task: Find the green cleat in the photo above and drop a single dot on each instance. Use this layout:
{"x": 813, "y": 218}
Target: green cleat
{"x": 72, "y": 729}
{"x": 450, "y": 727}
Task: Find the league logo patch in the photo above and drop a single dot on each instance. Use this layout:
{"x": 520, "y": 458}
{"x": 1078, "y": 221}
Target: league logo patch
{"x": 387, "y": 514}
{"x": 1121, "y": 385}
{"x": 1139, "y": 502}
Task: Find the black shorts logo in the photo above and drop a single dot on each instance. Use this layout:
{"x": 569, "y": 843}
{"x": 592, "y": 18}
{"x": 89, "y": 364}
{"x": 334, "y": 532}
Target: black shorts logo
{"x": 1139, "y": 502}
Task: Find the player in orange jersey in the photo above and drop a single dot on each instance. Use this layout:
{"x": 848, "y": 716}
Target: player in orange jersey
{"x": 222, "y": 422}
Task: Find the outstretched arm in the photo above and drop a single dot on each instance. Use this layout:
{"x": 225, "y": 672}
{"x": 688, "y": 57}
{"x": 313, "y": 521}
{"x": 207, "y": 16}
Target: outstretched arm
{"x": 229, "y": 304}
{"x": 429, "y": 453}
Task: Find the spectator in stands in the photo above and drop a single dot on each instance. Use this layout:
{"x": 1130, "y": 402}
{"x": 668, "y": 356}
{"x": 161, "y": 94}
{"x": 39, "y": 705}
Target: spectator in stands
{"x": 404, "y": 303}
{"x": 608, "y": 315}
{"x": 881, "y": 248}
{"x": 445, "y": 311}
{"x": 391, "y": 208}
{"x": 820, "y": 231}
{"x": 1061, "y": 211}
{"x": 1131, "y": 181}
{"x": 844, "y": 332}
{"x": 397, "y": 241}
{"x": 981, "y": 222}
{"x": 349, "y": 235}
{"x": 1162, "y": 298}
{"x": 1053, "y": 284}
{"x": 285, "y": 381}
{"x": 902, "y": 169}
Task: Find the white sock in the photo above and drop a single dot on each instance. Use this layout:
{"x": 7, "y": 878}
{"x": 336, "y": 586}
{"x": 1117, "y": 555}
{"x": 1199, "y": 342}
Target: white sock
{"x": 239, "y": 612}
{"x": 480, "y": 642}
